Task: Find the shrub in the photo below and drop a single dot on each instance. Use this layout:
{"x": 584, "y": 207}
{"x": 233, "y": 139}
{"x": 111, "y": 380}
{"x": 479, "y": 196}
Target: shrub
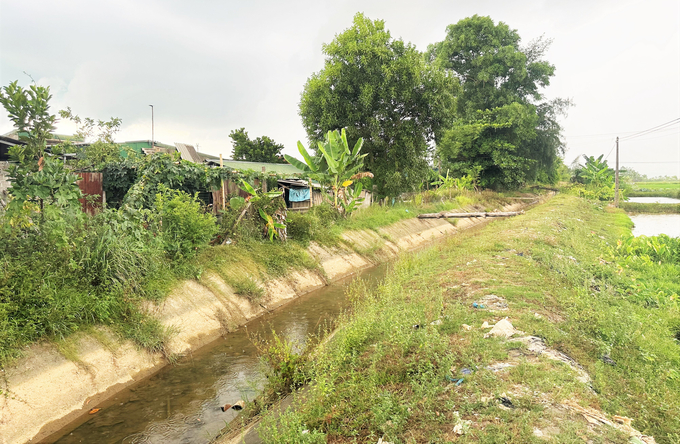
{"x": 185, "y": 227}
{"x": 300, "y": 226}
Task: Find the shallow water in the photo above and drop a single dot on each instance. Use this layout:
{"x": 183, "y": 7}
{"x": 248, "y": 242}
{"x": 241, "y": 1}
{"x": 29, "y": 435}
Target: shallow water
{"x": 181, "y": 403}
{"x": 654, "y": 199}
{"x": 655, "y": 224}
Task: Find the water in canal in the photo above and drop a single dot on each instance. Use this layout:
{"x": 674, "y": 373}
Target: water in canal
{"x": 181, "y": 403}
{"x": 654, "y": 199}
{"x": 655, "y": 224}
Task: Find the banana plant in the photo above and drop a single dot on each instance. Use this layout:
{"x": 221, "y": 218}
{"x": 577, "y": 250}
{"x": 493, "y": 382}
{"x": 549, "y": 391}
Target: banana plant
{"x": 256, "y": 195}
{"x": 271, "y": 225}
{"x": 336, "y": 165}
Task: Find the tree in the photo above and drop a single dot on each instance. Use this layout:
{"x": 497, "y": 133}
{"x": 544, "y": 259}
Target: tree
{"x": 503, "y": 129}
{"x": 262, "y": 149}
{"x": 383, "y": 92}
{"x": 39, "y": 185}
{"x": 492, "y": 68}
{"x": 490, "y": 146}
{"x": 103, "y": 150}
{"x": 28, "y": 109}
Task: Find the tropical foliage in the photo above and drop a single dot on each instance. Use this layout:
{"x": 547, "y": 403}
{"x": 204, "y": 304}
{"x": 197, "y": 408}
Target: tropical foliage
{"x": 28, "y": 110}
{"x": 337, "y": 167}
{"x": 595, "y": 179}
{"x": 262, "y": 149}
{"x": 503, "y": 125}
{"x": 381, "y": 90}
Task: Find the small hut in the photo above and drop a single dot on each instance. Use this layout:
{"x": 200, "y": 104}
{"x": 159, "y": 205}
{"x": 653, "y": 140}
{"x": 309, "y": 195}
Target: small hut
{"x": 300, "y": 195}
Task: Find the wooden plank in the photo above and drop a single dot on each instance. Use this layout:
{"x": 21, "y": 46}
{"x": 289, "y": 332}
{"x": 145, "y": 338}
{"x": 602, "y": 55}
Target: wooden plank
{"x": 445, "y": 215}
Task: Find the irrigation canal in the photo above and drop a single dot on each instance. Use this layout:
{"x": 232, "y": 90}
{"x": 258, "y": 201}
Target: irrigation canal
{"x": 181, "y": 403}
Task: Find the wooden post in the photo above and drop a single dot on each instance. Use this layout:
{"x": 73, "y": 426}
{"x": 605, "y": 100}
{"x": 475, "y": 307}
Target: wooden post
{"x": 224, "y": 202}
{"x": 264, "y": 180}
{"x": 311, "y": 195}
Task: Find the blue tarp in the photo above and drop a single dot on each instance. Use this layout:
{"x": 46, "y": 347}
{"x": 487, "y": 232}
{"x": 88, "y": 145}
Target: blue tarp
{"x": 298, "y": 194}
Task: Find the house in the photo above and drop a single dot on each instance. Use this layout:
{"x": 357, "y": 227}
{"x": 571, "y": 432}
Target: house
{"x": 6, "y": 143}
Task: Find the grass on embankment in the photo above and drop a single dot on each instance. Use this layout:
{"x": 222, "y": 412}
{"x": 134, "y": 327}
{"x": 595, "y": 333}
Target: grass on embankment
{"x": 102, "y": 276}
{"x": 650, "y": 208}
{"x": 388, "y": 371}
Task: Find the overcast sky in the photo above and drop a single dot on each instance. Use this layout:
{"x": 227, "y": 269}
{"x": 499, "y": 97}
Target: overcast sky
{"x": 209, "y": 67}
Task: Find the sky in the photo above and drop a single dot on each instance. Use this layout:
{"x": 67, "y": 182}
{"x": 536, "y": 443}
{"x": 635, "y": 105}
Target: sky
{"x": 209, "y": 67}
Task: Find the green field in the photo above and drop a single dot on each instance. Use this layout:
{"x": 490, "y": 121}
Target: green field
{"x": 657, "y": 185}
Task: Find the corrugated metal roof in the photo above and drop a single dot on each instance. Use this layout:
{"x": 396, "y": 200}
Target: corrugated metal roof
{"x": 281, "y": 168}
{"x": 188, "y": 152}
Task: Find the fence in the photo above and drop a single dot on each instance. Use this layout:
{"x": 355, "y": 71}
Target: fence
{"x": 92, "y": 186}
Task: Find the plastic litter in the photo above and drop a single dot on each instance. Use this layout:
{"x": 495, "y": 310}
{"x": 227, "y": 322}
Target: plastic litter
{"x": 225, "y": 407}
{"x": 239, "y": 405}
{"x": 503, "y": 328}
{"x": 506, "y": 402}
{"x": 476, "y": 305}
{"x": 466, "y": 371}
{"x": 607, "y": 360}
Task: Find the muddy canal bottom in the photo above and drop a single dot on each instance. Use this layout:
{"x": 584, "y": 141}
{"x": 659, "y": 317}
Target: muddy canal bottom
{"x": 181, "y": 403}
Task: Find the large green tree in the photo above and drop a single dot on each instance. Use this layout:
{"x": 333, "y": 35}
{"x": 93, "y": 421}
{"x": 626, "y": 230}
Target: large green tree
{"x": 493, "y": 69}
{"x": 262, "y": 149}
{"x": 382, "y": 90}
{"x": 505, "y": 132}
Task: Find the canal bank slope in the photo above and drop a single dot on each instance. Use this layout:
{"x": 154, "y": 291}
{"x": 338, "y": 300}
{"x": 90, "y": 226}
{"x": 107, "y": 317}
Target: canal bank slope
{"x": 52, "y": 386}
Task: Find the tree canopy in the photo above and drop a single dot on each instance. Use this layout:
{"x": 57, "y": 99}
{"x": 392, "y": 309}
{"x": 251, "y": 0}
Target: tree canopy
{"x": 505, "y": 133}
{"x": 262, "y": 149}
{"x": 28, "y": 109}
{"x": 382, "y": 90}
{"x": 492, "y": 67}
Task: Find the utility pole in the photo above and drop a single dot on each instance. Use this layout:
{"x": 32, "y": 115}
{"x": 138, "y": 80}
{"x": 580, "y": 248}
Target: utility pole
{"x": 616, "y": 177}
{"x": 153, "y": 144}
{"x": 224, "y": 194}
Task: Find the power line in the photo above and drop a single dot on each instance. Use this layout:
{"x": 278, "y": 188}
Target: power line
{"x": 619, "y": 133}
{"x": 653, "y": 129}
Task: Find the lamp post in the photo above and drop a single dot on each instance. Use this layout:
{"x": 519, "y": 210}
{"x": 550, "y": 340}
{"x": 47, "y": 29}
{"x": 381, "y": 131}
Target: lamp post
{"x": 153, "y": 145}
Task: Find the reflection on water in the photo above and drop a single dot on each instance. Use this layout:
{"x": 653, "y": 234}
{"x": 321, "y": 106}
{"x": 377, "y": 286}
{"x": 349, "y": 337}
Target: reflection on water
{"x": 661, "y": 200}
{"x": 181, "y": 403}
{"x": 655, "y": 224}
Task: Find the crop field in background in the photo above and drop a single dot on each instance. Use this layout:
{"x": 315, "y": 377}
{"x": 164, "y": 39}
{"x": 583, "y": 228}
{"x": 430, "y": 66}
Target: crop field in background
{"x": 657, "y": 185}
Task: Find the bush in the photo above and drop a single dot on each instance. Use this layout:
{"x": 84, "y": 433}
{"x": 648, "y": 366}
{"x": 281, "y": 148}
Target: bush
{"x": 185, "y": 227}
{"x": 300, "y": 226}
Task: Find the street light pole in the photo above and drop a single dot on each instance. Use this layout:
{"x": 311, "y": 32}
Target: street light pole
{"x": 153, "y": 144}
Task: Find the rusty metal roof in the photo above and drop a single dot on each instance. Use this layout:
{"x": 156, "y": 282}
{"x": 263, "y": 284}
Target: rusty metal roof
{"x": 188, "y": 152}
